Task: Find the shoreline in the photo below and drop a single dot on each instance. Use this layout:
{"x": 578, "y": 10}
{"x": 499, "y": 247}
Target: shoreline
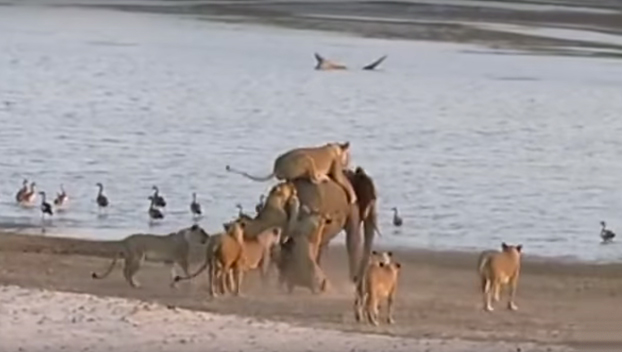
{"x": 561, "y": 304}
{"x": 563, "y": 28}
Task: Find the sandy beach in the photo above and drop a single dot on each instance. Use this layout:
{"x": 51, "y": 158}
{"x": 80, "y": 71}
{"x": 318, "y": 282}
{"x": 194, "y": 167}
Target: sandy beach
{"x": 48, "y": 300}
{"x": 563, "y": 306}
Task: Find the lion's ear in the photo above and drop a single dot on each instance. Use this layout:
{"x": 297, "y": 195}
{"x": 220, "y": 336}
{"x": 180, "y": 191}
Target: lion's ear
{"x": 519, "y": 248}
{"x": 194, "y": 227}
{"x": 504, "y": 246}
{"x": 398, "y": 265}
{"x": 242, "y": 224}
{"x": 390, "y": 254}
{"x": 374, "y": 252}
{"x": 345, "y": 145}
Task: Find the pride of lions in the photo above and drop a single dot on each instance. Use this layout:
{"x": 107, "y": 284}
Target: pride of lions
{"x": 292, "y": 228}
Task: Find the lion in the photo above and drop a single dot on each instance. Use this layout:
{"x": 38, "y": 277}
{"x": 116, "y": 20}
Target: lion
{"x": 497, "y": 269}
{"x": 360, "y": 293}
{"x": 379, "y": 283}
{"x": 256, "y": 255}
{"x": 296, "y": 259}
{"x": 172, "y": 249}
{"x": 313, "y": 163}
{"x": 273, "y": 212}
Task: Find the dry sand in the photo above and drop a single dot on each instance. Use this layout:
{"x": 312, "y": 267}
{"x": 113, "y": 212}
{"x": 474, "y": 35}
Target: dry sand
{"x": 571, "y": 304}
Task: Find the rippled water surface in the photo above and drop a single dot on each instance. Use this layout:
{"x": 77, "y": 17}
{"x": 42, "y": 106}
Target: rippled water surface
{"x": 473, "y": 148}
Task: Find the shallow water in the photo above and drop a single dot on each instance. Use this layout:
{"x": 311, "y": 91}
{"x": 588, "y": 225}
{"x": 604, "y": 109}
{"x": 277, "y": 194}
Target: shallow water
{"x": 473, "y": 148}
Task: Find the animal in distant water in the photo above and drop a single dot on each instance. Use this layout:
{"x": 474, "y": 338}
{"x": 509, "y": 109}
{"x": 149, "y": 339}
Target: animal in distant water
{"x": 171, "y": 249}
{"x": 497, "y": 269}
{"x": 360, "y": 295}
{"x": 397, "y": 220}
{"x": 19, "y": 196}
{"x": 158, "y": 200}
{"x": 312, "y": 163}
{"x": 154, "y": 213}
{"x": 30, "y": 195}
{"x": 61, "y": 198}
{"x": 324, "y": 64}
{"x": 259, "y": 205}
{"x": 101, "y": 199}
{"x": 606, "y": 234}
{"x": 195, "y": 206}
{"x": 379, "y": 283}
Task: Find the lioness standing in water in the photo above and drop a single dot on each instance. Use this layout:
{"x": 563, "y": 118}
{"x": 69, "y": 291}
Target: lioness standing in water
{"x": 171, "y": 249}
{"x": 313, "y": 163}
{"x": 497, "y": 269}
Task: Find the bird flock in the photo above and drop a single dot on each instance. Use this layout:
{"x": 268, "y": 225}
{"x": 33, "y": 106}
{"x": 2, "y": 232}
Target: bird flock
{"x": 27, "y": 194}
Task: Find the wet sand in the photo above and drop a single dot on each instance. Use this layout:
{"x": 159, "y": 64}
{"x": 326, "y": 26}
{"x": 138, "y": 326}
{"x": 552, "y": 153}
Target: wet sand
{"x": 462, "y": 21}
{"x": 561, "y": 303}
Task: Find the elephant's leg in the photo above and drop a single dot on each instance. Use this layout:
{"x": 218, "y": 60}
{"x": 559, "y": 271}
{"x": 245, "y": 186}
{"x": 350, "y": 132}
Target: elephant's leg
{"x": 369, "y": 228}
{"x": 353, "y": 241}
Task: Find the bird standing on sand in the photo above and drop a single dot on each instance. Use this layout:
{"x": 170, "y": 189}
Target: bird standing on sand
{"x": 606, "y": 234}
{"x": 61, "y": 198}
{"x": 102, "y": 200}
{"x": 46, "y": 208}
{"x": 22, "y": 191}
{"x": 154, "y": 213}
{"x": 158, "y": 200}
{"x": 259, "y": 205}
{"x": 195, "y": 207}
{"x": 397, "y": 220}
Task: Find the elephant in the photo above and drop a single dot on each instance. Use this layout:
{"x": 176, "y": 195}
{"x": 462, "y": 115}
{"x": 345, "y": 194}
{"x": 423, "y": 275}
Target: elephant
{"x": 330, "y": 199}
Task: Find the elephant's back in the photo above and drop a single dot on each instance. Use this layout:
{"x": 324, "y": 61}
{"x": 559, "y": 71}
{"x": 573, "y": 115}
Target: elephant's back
{"x": 327, "y": 196}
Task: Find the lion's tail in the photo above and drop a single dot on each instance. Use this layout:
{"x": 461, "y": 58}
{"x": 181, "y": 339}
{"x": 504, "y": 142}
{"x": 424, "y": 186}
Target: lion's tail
{"x": 247, "y": 175}
{"x": 192, "y": 276}
{"x": 94, "y": 275}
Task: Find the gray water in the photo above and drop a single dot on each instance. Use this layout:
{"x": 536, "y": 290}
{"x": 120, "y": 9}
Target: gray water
{"x": 473, "y": 149}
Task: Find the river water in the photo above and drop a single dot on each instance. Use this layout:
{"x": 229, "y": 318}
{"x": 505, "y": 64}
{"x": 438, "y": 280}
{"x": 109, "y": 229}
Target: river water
{"x": 474, "y": 148}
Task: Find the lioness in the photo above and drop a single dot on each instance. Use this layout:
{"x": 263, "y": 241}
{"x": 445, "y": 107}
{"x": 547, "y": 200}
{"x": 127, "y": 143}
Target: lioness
{"x": 496, "y": 269}
{"x": 257, "y": 255}
{"x": 171, "y": 249}
{"x": 360, "y": 293}
{"x": 312, "y": 163}
{"x": 380, "y": 283}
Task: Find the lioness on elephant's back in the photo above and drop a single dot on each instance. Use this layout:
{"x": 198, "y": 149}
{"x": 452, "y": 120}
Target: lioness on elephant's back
{"x": 317, "y": 164}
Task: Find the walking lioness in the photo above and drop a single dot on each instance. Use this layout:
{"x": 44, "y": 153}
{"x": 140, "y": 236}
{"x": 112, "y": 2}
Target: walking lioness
{"x": 314, "y": 163}
{"x": 379, "y": 283}
{"x": 360, "y": 293}
{"x": 257, "y": 255}
{"x": 496, "y": 269}
{"x": 171, "y": 249}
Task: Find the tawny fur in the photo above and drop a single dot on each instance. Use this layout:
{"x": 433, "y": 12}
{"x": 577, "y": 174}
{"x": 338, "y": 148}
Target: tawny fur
{"x": 313, "y": 163}
{"x": 498, "y": 269}
{"x": 380, "y": 283}
{"x": 360, "y": 294}
{"x": 171, "y": 249}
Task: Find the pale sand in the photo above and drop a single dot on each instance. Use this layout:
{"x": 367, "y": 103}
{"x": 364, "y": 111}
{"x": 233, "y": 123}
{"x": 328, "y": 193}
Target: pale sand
{"x": 561, "y": 304}
{"x": 39, "y": 320}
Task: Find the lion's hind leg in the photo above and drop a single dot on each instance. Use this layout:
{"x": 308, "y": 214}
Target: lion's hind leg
{"x": 132, "y": 265}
